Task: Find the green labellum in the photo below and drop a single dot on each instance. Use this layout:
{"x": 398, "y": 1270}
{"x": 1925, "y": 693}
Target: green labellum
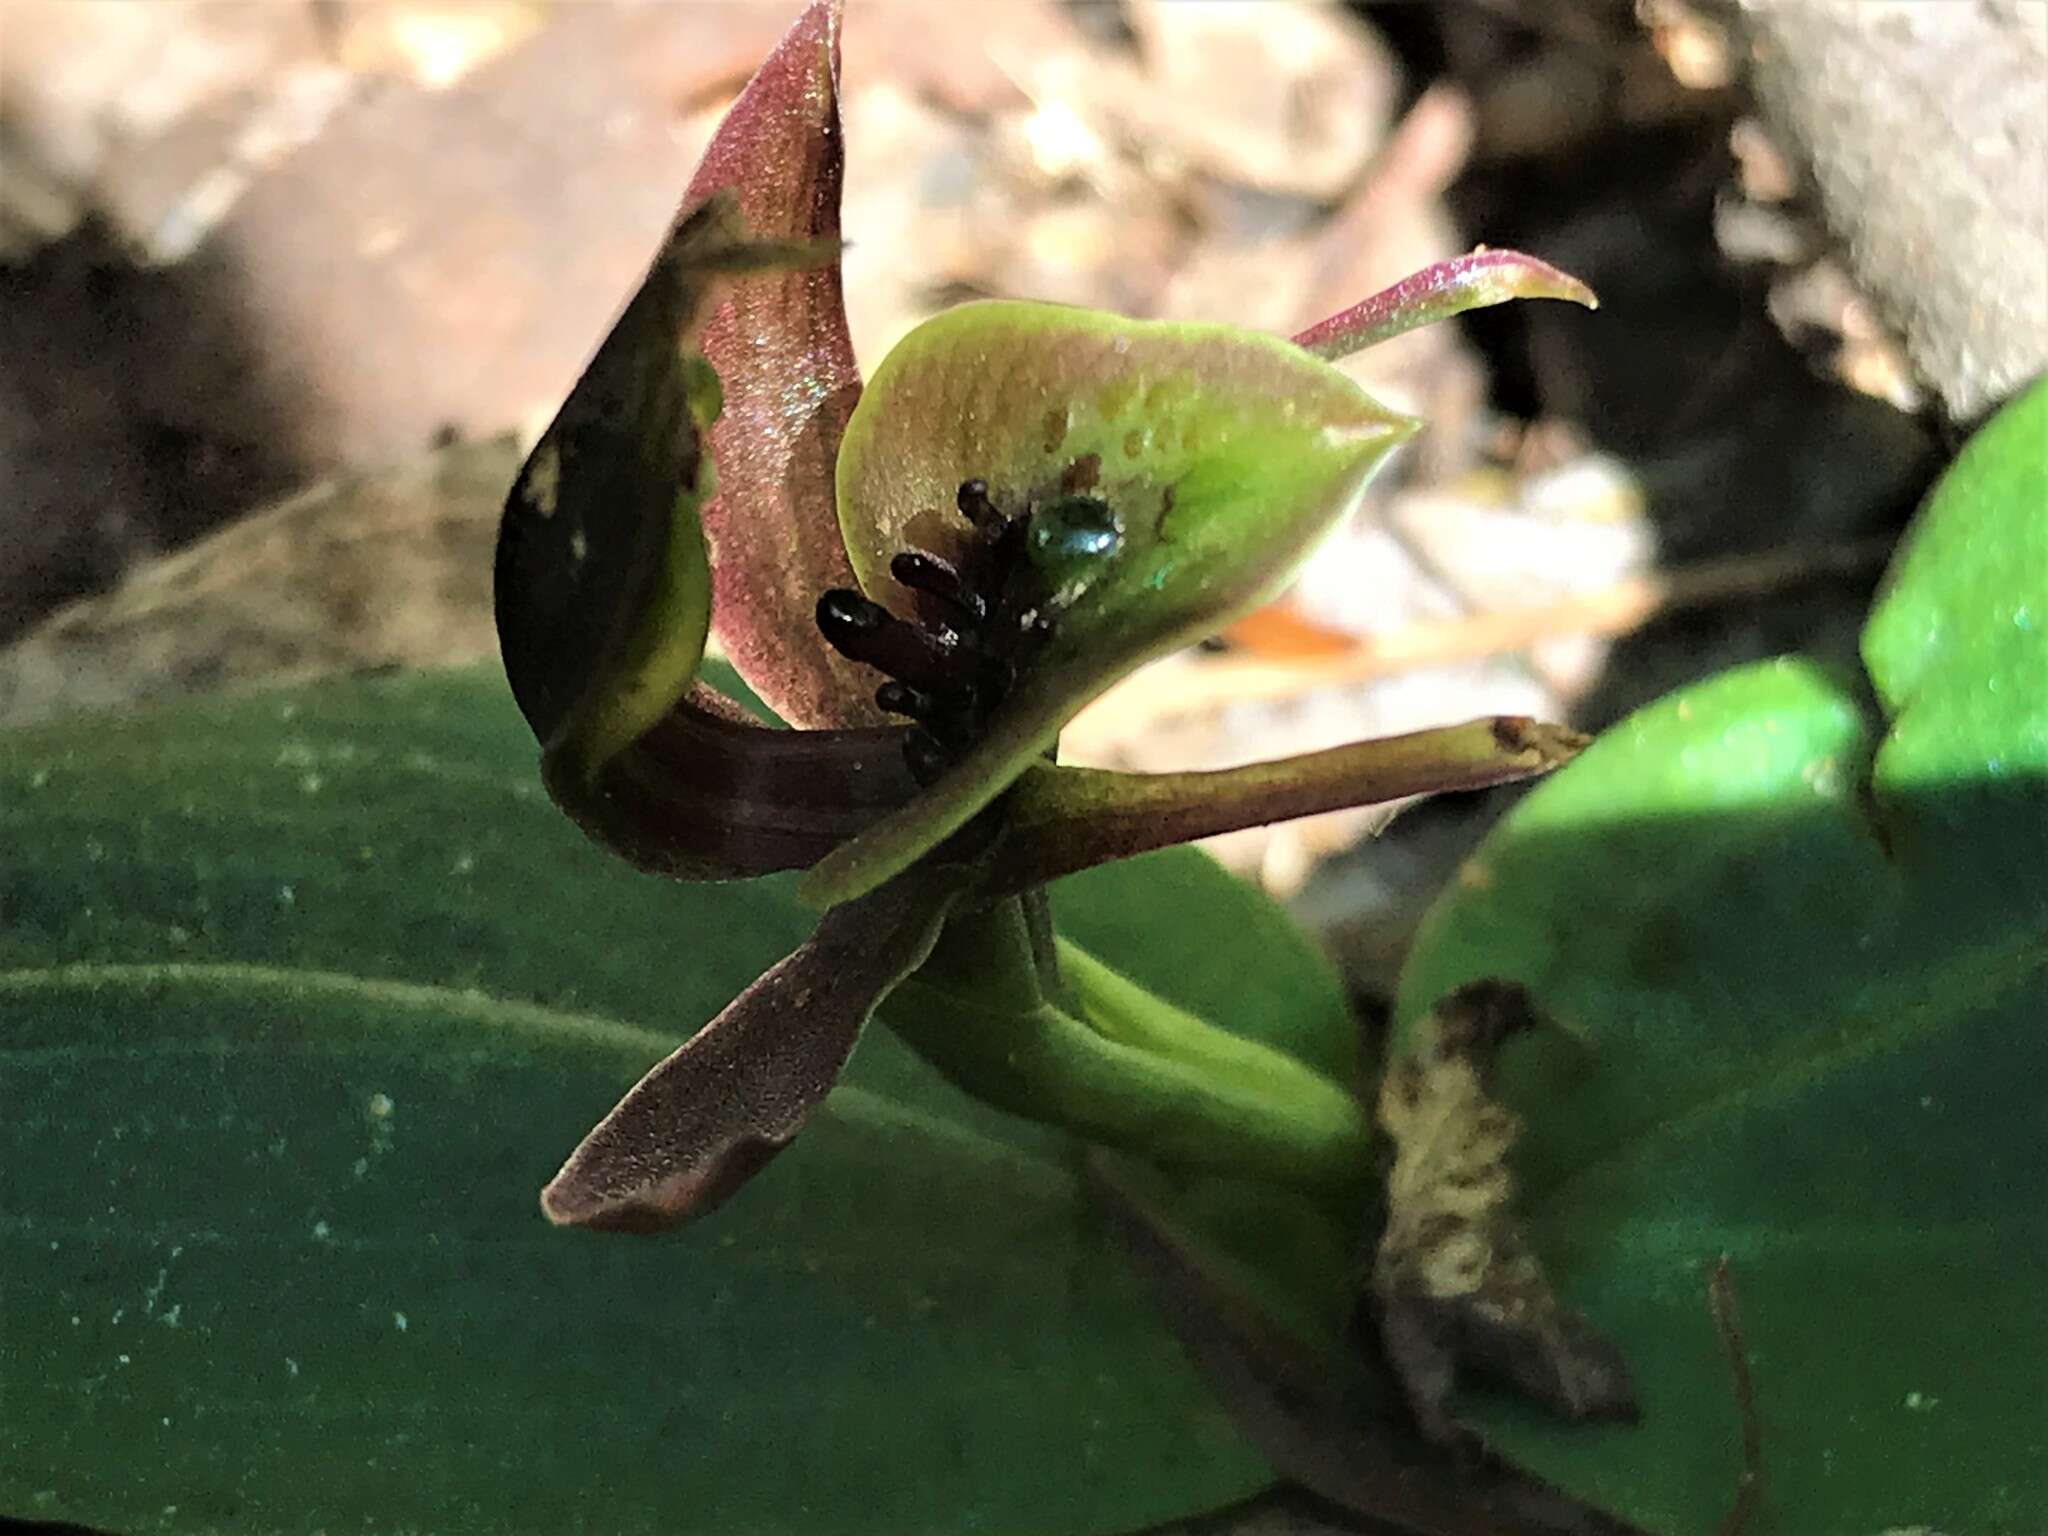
{"x": 1179, "y": 474}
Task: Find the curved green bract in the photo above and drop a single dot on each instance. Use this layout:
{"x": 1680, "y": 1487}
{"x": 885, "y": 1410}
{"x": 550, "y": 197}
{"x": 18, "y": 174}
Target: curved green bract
{"x": 1223, "y": 456}
{"x": 602, "y": 590}
{"x": 302, "y": 997}
{"x": 1800, "y": 965}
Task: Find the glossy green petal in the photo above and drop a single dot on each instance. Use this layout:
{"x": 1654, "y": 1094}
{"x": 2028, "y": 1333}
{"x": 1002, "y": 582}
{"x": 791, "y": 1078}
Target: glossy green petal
{"x": 1221, "y": 455}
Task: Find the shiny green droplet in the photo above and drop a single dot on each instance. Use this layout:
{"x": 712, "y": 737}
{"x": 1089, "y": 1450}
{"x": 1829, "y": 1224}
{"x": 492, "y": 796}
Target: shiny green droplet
{"x": 1071, "y": 542}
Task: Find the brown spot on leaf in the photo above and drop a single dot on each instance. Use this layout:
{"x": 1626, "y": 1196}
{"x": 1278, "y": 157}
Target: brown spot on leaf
{"x": 1081, "y": 476}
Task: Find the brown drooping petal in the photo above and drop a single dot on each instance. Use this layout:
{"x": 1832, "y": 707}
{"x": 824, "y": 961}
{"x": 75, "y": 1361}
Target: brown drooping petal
{"x": 785, "y": 360}
{"x": 1456, "y": 1282}
{"x": 1062, "y": 820}
{"x": 710, "y": 1115}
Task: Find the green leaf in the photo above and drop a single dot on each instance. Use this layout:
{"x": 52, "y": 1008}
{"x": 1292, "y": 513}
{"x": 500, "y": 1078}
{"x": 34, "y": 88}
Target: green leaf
{"x": 1217, "y": 456}
{"x": 304, "y": 995}
{"x": 1801, "y": 966}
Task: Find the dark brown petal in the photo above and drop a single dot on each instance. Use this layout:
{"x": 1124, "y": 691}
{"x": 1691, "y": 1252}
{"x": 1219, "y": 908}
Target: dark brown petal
{"x": 708, "y": 794}
{"x": 709, "y": 1116}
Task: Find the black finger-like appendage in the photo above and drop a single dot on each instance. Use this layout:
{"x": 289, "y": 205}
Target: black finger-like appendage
{"x": 844, "y": 616}
{"x": 975, "y": 504}
{"x": 927, "y": 760}
{"x": 932, "y": 577}
{"x": 930, "y": 660}
{"x": 901, "y": 699}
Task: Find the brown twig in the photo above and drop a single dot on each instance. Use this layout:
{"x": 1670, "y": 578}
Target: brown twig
{"x": 1614, "y": 610}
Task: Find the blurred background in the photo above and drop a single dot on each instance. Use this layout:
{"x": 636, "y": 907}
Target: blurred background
{"x": 285, "y": 285}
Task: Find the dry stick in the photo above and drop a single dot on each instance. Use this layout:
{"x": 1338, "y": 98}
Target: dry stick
{"x": 1615, "y": 610}
{"x": 1728, "y": 1324}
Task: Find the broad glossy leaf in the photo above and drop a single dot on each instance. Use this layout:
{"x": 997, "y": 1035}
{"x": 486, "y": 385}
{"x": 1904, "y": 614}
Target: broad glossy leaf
{"x": 304, "y": 995}
{"x": 1805, "y": 960}
{"x": 1957, "y": 647}
{"x": 1221, "y": 456}
{"x": 783, "y": 354}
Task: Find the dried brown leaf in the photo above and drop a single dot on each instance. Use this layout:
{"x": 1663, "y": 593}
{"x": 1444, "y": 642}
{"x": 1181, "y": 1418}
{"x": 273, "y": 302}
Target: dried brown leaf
{"x": 1456, "y": 1282}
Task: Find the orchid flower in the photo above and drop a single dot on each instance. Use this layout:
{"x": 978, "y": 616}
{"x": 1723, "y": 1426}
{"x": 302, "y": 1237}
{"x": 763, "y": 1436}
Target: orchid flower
{"x": 926, "y": 578}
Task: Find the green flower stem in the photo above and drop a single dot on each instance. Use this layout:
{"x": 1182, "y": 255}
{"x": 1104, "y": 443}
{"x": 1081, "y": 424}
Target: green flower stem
{"x": 1127, "y": 1070}
{"x": 1121, "y": 1010}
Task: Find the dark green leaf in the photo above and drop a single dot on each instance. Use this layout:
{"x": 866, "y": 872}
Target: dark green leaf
{"x": 304, "y": 995}
{"x": 1805, "y": 960}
